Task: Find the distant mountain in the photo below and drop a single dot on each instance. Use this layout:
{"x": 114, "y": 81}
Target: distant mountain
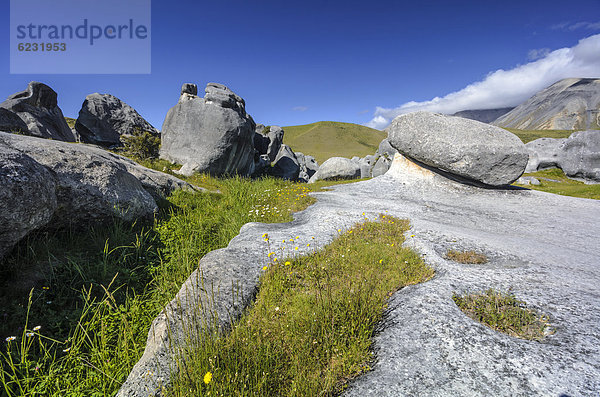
{"x": 326, "y": 139}
{"x": 483, "y": 115}
{"x": 569, "y": 104}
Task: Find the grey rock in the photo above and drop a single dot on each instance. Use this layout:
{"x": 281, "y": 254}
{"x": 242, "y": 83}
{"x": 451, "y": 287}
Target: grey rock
{"x": 308, "y": 166}
{"x": 213, "y": 134}
{"x": 336, "y": 168}
{"x": 93, "y": 185}
{"x": 28, "y": 196}
{"x": 286, "y": 164}
{"x": 568, "y": 104}
{"x": 527, "y": 180}
{"x": 275, "y": 136}
{"x": 578, "y": 155}
{"x": 189, "y": 88}
{"x": 381, "y": 166}
{"x": 10, "y": 122}
{"x": 104, "y": 118}
{"x": 468, "y": 148}
{"x": 543, "y": 153}
{"x": 539, "y": 245}
{"x": 483, "y": 115}
{"x": 386, "y": 150}
{"x": 366, "y": 165}
{"x": 37, "y": 107}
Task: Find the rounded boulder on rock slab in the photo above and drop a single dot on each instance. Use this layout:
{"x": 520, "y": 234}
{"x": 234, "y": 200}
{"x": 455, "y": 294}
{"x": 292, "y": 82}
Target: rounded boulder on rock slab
{"x": 104, "y": 118}
{"x": 337, "y": 168}
{"x": 468, "y": 148}
{"x": 213, "y": 134}
{"x": 38, "y": 107}
{"x": 28, "y": 196}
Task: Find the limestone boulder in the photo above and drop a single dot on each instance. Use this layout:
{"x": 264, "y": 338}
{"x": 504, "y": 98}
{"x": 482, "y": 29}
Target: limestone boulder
{"x": 92, "y": 185}
{"x": 213, "y": 134}
{"x": 28, "y": 196}
{"x": 104, "y": 118}
{"x": 286, "y": 164}
{"x": 37, "y": 107}
{"x": 337, "y": 168}
{"x": 467, "y": 148}
{"x": 543, "y": 153}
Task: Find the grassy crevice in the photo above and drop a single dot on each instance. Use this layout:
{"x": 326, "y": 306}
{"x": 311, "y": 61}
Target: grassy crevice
{"x": 505, "y": 313}
{"x": 309, "y": 330}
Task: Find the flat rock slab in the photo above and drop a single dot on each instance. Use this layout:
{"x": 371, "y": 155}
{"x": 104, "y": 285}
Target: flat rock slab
{"x": 542, "y": 246}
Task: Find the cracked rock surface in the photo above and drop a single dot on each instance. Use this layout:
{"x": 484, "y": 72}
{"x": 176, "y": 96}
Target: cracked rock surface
{"x": 542, "y": 246}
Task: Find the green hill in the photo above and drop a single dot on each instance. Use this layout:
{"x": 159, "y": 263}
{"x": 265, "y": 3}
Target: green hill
{"x": 530, "y": 135}
{"x": 326, "y": 139}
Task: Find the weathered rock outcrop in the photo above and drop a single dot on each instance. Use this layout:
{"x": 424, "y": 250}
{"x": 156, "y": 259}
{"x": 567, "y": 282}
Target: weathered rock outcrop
{"x": 285, "y": 165}
{"x": 381, "y": 166}
{"x": 37, "y": 107}
{"x": 578, "y": 155}
{"x": 213, "y": 134}
{"x": 467, "y": 148}
{"x": 543, "y": 153}
{"x": 569, "y": 104}
{"x": 104, "y": 118}
{"x": 28, "y": 196}
{"x": 65, "y": 184}
{"x": 337, "y": 168}
{"x": 308, "y": 166}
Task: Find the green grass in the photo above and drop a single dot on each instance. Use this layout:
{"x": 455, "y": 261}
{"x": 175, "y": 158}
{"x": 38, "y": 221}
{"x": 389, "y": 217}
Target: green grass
{"x": 565, "y": 186}
{"x": 70, "y": 122}
{"x": 96, "y": 291}
{"x": 503, "y": 312}
{"x": 326, "y": 139}
{"x": 309, "y": 330}
{"x": 531, "y": 135}
{"x": 467, "y": 257}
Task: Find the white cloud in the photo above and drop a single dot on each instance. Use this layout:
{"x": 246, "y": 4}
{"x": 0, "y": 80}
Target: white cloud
{"x": 299, "y": 108}
{"x": 504, "y": 88}
{"x": 534, "y": 55}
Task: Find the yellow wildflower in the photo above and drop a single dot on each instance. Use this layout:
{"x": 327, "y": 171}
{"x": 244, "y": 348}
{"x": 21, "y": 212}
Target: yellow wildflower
{"x": 207, "y": 378}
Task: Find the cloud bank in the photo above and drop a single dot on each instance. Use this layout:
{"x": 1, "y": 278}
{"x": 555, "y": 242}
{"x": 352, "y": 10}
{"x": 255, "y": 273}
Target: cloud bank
{"x": 504, "y": 88}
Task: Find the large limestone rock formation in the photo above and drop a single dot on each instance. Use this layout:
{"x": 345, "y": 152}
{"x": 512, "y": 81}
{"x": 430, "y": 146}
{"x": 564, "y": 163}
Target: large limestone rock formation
{"x": 212, "y": 134}
{"x": 578, "y": 155}
{"x": 58, "y": 184}
{"x": 104, "y": 118}
{"x": 467, "y": 148}
{"x": 337, "y": 168}
{"x": 37, "y": 107}
{"x": 569, "y": 104}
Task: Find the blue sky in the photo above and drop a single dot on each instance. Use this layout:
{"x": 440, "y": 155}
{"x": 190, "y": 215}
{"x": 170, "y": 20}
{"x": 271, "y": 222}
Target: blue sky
{"x": 353, "y": 61}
